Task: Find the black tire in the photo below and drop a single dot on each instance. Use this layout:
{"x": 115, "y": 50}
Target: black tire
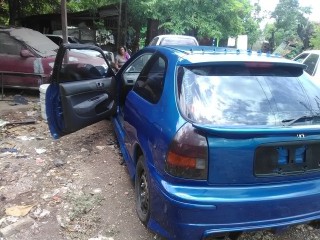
{"x": 142, "y": 191}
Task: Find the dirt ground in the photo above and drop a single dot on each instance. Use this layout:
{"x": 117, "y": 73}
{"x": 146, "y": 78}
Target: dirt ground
{"x": 71, "y": 188}
{"x": 75, "y": 187}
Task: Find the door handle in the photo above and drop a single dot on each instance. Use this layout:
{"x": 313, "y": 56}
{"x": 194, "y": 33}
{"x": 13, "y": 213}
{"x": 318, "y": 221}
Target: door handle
{"x": 100, "y": 85}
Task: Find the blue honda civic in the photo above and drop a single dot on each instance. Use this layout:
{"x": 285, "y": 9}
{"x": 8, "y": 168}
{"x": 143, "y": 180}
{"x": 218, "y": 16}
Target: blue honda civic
{"x": 216, "y": 141}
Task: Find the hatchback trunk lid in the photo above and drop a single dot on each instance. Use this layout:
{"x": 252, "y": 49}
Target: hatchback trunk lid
{"x": 241, "y": 156}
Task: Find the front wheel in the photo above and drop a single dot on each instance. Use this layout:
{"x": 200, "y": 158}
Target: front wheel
{"x": 142, "y": 191}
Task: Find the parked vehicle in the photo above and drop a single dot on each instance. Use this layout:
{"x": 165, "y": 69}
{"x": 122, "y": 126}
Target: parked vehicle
{"x": 27, "y": 58}
{"x": 172, "y": 39}
{"x": 216, "y": 142}
{"x": 58, "y": 39}
{"x": 312, "y": 60}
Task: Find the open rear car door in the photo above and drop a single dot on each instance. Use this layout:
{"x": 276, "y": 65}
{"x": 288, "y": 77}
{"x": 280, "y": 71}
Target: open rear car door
{"x": 82, "y": 90}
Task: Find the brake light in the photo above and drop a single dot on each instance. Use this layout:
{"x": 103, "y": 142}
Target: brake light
{"x": 188, "y": 154}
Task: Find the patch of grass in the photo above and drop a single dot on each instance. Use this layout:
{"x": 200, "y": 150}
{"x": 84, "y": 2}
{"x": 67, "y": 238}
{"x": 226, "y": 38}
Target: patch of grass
{"x": 83, "y": 204}
{"x": 83, "y": 220}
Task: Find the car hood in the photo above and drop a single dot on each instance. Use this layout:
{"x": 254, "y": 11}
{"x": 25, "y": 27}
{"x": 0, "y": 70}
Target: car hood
{"x": 36, "y": 40}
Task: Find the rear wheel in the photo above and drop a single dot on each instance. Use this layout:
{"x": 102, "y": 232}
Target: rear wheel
{"x": 142, "y": 191}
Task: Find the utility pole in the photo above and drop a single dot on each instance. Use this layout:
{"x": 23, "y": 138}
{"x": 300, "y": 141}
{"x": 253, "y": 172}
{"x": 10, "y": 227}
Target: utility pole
{"x": 119, "y": 24}
{"x": 125, "y": 40}
{"x": 64, "y": 21}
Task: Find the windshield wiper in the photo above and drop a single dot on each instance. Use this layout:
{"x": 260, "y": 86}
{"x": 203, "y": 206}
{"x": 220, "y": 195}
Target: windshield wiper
{"x": 303, "y": 119}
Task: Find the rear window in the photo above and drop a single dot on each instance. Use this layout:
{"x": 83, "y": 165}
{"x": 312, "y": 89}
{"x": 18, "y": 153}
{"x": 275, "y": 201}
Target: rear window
{"x": 311, "y": 63}
{"x": 301, "y": 57}
{"x": 246, "y": 95}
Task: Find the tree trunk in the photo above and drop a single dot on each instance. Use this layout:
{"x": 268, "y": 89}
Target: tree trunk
{"x": 136, "y": 40}
{"x": 14, "y": 11}
{"x": 304, "y": 33}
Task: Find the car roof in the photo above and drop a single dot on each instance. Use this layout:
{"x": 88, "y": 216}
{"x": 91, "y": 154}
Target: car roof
{"x": 311, "y": 51}
{"x": 174, "y": 35}
{"x": 200, "y": 54}
{"x": 34, "y": 39}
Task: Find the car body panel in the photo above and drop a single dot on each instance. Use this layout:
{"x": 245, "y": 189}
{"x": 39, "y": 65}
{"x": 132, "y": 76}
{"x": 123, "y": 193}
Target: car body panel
{"x": 248, "y": 185}
{"x": 32, "y": 70}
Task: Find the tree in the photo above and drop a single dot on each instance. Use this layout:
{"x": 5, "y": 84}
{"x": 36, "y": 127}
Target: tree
{"x": 207, "y": 18}
{"x": 4, "y": 10}
{"x": 253, "y": 31}
{"x": 15, "y": 9}
{"x": 202, "y": 18}
{"x": 138, "y": 14}
{"x": 22, "y": 8}
{"x": 273, "y": 35}
{"x": 315, "y": 38}
{"x": 305, "y": 32}
{"x": 291, "y": 22}
{"x": 252, "y": 25}
{"x": 91, "y": 5}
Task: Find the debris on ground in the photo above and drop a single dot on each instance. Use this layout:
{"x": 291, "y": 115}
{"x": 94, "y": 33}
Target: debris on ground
{"x": 74, "y": 187}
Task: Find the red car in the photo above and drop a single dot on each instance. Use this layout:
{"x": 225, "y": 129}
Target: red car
{"x": 27, "y": 58}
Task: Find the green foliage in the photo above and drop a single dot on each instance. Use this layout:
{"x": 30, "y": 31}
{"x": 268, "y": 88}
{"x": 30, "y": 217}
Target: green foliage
{"x": 14, "y": 9}
{"x": 291, "y": 24}
{"x": 202, "y": 18}
{"x": 315, "y": 39}
{"x": 4, "y": 10}
{"x": 207, "y": 18}
{"x": 253, "y": 31}
{"x": 34, "y": 7}
{"x": 91, "y": 5}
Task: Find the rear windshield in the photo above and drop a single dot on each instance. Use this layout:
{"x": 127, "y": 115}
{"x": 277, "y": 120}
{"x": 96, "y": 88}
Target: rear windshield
{"x": 246, "y": 95}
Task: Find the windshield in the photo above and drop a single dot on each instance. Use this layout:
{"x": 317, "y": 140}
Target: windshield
{"x": 242, "y": 95}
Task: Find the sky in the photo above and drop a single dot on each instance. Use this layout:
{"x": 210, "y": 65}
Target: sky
{"x": 269, "y": 5}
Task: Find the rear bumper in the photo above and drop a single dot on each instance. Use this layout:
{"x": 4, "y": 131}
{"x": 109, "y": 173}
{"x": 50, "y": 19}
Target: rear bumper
{"x": 196, "y": 212}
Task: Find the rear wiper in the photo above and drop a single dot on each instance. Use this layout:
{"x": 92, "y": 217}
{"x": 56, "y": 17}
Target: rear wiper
{"x": 303, "y": 119}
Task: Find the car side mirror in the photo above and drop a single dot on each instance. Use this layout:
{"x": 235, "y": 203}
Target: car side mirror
{"x": 26, "y": 53}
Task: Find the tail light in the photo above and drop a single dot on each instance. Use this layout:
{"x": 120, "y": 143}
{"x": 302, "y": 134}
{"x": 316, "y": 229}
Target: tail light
{"x": 188, "y": 154}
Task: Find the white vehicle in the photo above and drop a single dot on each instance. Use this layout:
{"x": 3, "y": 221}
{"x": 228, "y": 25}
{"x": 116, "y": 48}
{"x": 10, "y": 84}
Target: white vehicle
{"x": 311, "y": 59}
{"x": 172, "y": 39}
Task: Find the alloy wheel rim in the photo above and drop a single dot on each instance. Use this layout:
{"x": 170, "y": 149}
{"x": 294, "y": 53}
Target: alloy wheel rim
{"x": 144, "y": 193}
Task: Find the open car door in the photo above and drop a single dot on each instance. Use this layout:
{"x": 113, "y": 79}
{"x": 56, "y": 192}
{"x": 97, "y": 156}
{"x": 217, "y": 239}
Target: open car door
{"x": 82, "y": 90}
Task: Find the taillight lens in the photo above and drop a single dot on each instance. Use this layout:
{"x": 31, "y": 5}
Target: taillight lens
{"x": 188, "y": 154}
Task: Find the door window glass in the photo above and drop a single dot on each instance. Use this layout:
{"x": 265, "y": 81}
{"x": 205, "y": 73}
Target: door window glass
{"x": 9, "y": 45}
{"x": 132, "y": 72}
{"x": 150, "y": 83}
{"x": 77, "y": 67}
